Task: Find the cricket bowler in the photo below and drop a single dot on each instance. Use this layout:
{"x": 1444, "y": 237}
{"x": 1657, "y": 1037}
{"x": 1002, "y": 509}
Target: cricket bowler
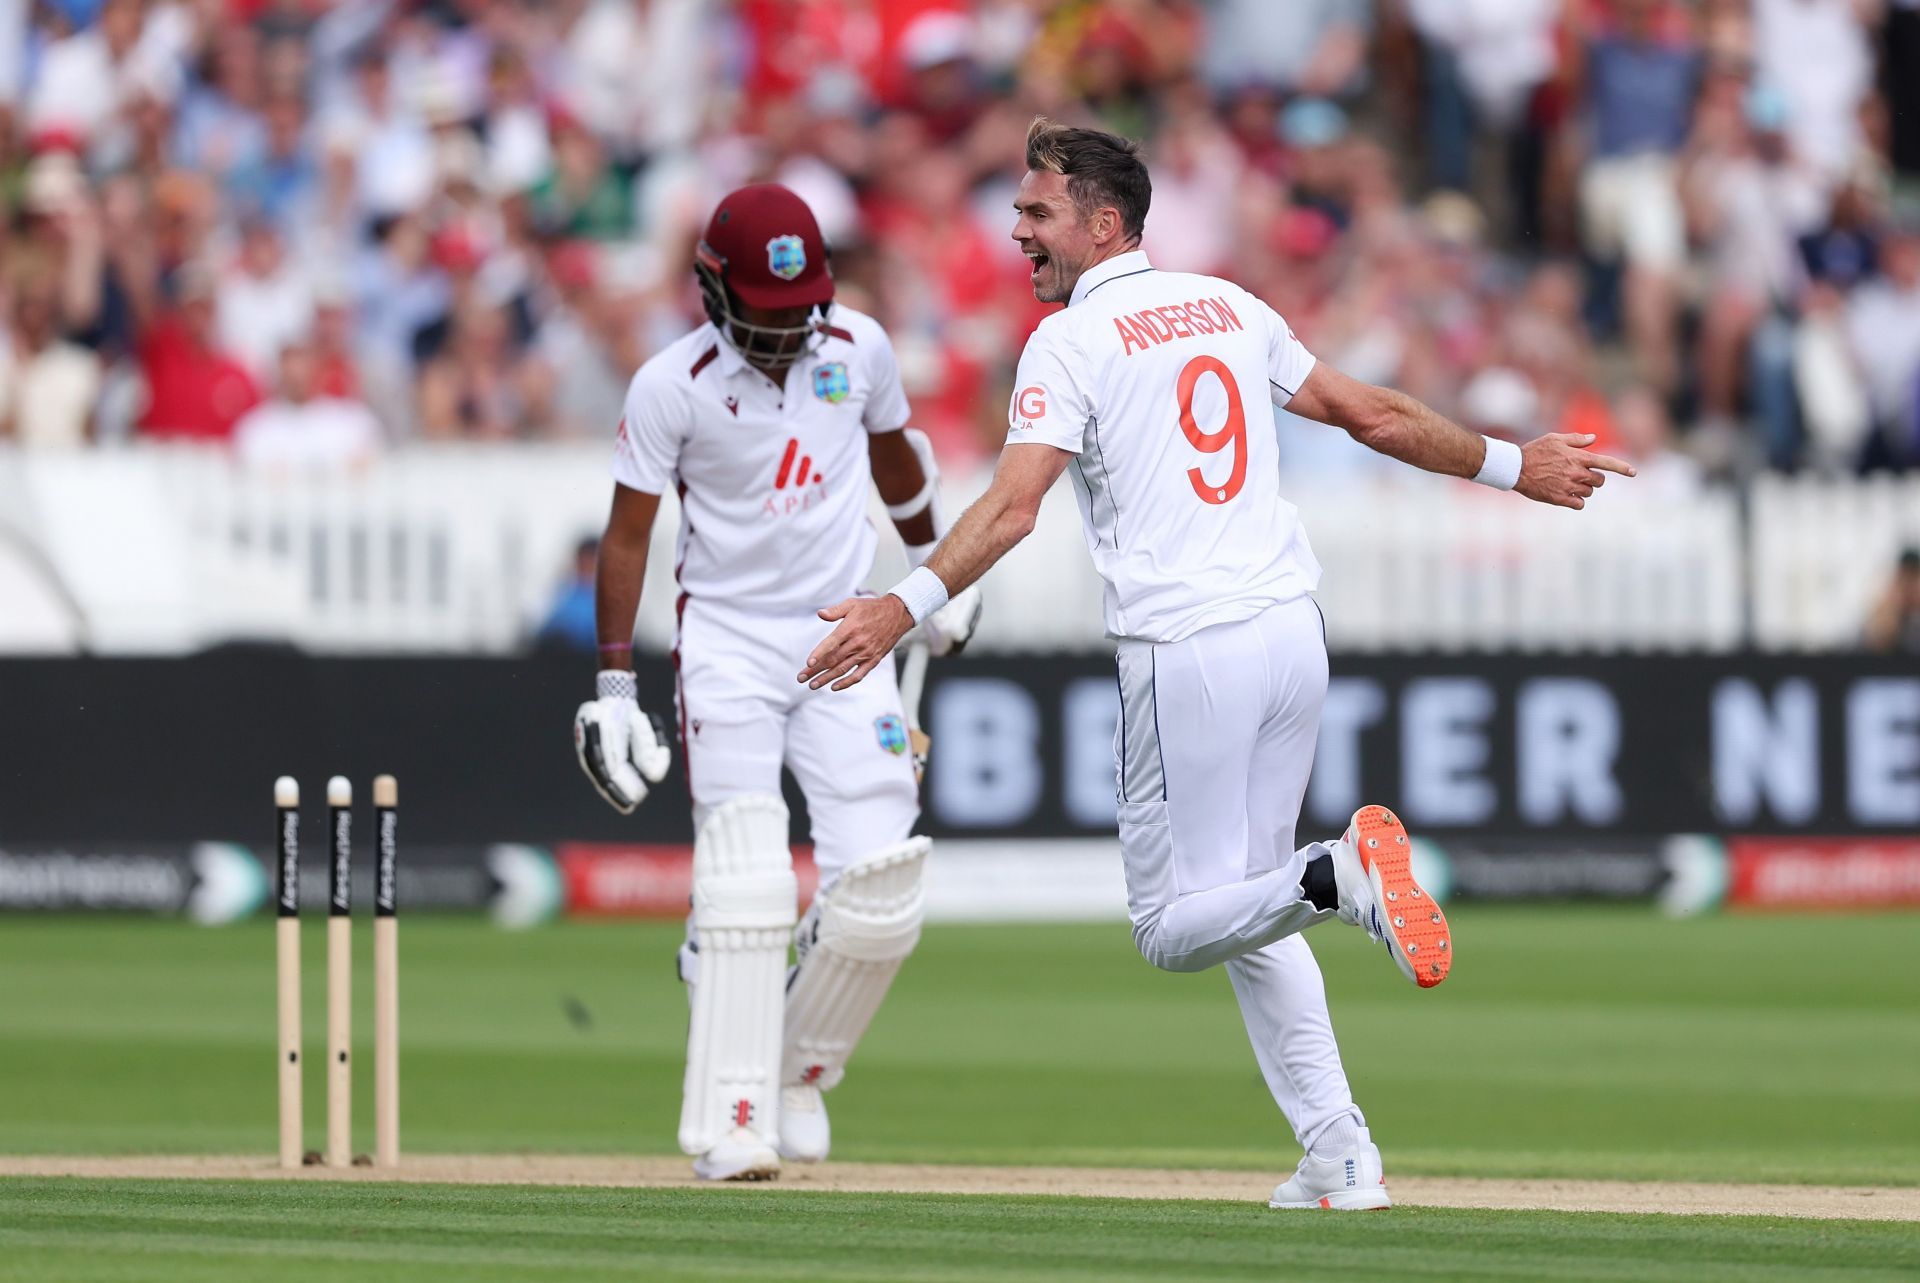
{"x": 1152, "y": 388}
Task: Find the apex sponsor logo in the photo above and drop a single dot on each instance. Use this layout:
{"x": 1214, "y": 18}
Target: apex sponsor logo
{"x": 799, "y": 487}
{"x": 800, "y": 475}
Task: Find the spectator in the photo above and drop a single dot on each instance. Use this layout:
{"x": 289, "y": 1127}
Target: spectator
{"x": 1816, "y": 53}
{"x": 195, "y": 389}
{"x": 518, "y": 151}
{"x": 265, "y": 300}
{"x": 1312, "y": 47}
{"x": 1662, "y": 475}
{"x": 282, "y": 184}
{"x": 48, "y": 386}
{"x": 1883, "y": 321}
{"x": 475, "y": 389}
{"x": 1846, "y": 249}
{"x": 1642, "y": 69}
{"x": 392, "y": 149}
{"x": 397, "y": 292}
{"x": 218, "y": 130}
{"x": 583, "y": 195}
{"x": 569, "y": 622}
{"x": 943, "y": 88}
{"x": 337, "y": 370}
{"x": 474, "y": 273}
{"x": 1502, "y": 403}
{"x": 1752, "y": 201}
{"x": 86, "y": 79}
{"x": 1829, "y": 407}
{"x": 1894, "y": 626}
{"x": 587, "y": 348}
{"x": 1485, "y": 61}
{"x": 446, "y": 164}
{"x": 1196, "y": 169}
{"x": 300, "y": 430}
{"x": 1315, "y": 132}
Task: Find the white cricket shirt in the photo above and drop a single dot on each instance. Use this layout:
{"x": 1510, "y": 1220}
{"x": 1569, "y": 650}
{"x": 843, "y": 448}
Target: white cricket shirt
{"x": 772, "y": 478}
{"x": 1159, "y": 383}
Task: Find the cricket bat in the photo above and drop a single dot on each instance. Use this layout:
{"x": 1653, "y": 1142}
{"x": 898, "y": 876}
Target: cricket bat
{"x": 913, "y": 680}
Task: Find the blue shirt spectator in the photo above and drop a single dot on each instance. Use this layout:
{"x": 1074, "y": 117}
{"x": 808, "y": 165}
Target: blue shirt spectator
{"x": 570, "y": 622}
{"x": 1640, "y": 90}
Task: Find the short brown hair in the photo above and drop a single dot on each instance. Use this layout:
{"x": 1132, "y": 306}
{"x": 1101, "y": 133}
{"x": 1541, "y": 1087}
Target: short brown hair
{"x": 1100, "y": 169}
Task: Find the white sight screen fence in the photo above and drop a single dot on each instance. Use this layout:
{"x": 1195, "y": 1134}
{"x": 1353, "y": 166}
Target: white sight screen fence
{"x": 460, "y": 549}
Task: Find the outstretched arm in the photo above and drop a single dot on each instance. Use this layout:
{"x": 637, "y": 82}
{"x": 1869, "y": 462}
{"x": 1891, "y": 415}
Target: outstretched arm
{"x": 1556, "y": 468}
{"x": 869, "y": 628}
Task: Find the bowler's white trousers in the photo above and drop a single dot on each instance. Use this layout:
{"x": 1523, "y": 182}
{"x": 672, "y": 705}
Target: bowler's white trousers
{"x": 1213, "y": 749}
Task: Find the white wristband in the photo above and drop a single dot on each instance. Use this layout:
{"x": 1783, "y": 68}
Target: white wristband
{"x": 923, "y": 591}
{"x": 614, "y": 683}
{"x": 1501, "y": 468}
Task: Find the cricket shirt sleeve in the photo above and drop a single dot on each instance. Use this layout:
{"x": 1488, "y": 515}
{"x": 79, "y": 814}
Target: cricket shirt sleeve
{"x": 653, "y": 428}
{"x": 886, "y": 409}
{"x": 1050, "y": 404}
{"x": 1288, "y": 361}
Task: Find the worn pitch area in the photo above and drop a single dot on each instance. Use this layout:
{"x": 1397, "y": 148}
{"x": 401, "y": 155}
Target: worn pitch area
{"x": 1826, "y": 1202}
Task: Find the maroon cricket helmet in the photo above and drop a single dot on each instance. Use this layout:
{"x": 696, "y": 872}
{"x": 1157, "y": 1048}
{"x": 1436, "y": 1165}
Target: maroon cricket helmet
{"x": 764, "y": 244}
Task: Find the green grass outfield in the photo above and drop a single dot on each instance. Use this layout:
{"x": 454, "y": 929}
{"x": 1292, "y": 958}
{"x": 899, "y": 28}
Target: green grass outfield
{"x": 210, "y": 1232}
{"x": 1568, "y": 1042}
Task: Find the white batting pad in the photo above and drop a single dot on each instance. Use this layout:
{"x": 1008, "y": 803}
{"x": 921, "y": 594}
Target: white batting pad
{"x": 744, "y": 898}
{"x": 853, "y": 940}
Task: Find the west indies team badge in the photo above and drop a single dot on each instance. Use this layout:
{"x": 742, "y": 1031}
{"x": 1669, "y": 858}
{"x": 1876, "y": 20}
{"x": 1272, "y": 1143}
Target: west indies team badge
{"x": 786, "y": 256}
{"x": 830, "y": 382}
{"x": 892, "y": 732}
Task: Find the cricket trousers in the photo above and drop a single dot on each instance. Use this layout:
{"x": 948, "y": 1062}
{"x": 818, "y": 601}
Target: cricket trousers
{"x": 743, "y": 715}
{"x": 1213, "y": 748}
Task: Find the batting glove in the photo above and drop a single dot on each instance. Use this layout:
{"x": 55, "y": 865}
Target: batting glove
{"x": 949, "y": 628}
{"x": 621, "y": 749}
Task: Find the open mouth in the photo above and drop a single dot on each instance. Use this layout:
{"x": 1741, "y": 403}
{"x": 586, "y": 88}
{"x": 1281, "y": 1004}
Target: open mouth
{"x": 1039, "y": 261}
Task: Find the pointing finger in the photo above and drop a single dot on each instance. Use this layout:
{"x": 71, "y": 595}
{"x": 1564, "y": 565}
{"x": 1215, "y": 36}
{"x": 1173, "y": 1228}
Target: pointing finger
{"x": 1608, "y": 463}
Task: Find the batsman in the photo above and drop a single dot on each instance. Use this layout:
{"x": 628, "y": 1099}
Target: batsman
{"x": 768, "y": 421}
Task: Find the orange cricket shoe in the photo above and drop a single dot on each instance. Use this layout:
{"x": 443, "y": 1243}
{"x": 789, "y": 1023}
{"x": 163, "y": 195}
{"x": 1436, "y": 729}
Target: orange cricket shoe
{"x": 1373, "y": 877}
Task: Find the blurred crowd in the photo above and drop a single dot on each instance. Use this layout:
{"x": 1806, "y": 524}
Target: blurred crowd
{"x": 320, "y": 229}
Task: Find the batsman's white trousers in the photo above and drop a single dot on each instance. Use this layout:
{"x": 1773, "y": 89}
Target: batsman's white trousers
{"x": 1213, "y": 748}
{"x": 742, "y": 715}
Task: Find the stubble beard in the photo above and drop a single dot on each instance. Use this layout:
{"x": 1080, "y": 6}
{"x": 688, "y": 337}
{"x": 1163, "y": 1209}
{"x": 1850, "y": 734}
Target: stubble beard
{"x": 1051, "y": 287}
